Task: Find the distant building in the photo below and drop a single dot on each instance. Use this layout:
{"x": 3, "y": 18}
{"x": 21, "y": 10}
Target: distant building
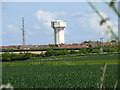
{"x": 74, "y": 45}
{"x": 58, "y": 26}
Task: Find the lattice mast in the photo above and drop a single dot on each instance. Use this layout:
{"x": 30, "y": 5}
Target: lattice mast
{"x": 23, "y": 32}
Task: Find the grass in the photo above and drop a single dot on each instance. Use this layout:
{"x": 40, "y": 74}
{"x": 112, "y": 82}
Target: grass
{"x": 67, "y": 60}
{"x": 63, "y": 63}
{"x": 62, "y": 72}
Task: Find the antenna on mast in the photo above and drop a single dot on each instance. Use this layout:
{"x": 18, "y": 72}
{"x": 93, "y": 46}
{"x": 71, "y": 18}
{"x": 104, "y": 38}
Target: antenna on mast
{"x": 23, "y": 32}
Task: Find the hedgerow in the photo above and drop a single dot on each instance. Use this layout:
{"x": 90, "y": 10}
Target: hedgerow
{"x": 51, "y": 52}
{"x": 14, "y": 56}
{"x": 54, "y": 52}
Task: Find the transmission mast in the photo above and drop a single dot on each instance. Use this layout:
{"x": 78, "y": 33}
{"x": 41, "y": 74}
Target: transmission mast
{"x": 23, "y": 32}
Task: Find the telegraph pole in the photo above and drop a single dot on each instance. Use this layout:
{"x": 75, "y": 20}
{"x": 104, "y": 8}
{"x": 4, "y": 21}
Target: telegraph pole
{"x": 23, "y": 32}
{"x": 101, "y": 41}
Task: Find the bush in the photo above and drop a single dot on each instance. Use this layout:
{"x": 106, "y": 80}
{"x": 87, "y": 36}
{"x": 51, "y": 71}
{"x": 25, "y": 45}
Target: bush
{"x": 95, "y": 51}
{"x": 50, "y": 52}
{"x": 6, "y": 54}
{"x": 110, "y": 49}
{"x": 89, "y": 50}
{"x": 73, "y": 52}
{"x": 83, "y": 50}
{"x": 13, "y": 56}
{"x": 42, "y": 55}
{"x": 63, "y": 52}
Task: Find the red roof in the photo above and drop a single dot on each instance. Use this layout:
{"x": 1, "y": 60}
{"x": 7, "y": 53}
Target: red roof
{"x": 74, "y": 45}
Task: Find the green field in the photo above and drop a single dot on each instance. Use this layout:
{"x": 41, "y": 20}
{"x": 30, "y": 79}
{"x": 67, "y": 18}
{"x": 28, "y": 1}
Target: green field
{"x": 71, "y": 71}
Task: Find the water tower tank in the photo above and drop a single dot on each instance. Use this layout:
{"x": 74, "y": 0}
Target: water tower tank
{"x": 58, "y": 26}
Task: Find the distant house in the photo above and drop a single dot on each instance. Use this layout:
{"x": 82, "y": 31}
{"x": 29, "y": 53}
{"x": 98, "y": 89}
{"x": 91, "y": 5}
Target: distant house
{"x": 24, "y": 47}
{"x": 110, "y": 43}
{"x": 40, "y": 46}
{"x": 74, "y": 45}
{"x": 10, "y": 47}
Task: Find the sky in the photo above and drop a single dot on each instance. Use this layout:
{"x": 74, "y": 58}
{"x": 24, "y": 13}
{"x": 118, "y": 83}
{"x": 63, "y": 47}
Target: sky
{"x": 82, "y": 22}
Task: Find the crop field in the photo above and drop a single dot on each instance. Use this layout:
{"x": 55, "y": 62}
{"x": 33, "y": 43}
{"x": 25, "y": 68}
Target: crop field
{"x": 62, "y": 72}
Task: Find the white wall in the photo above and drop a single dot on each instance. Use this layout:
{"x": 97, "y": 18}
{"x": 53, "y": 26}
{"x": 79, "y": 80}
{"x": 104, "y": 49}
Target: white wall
{"x": 58, "y": 26}
{"x": 59, "y": 36}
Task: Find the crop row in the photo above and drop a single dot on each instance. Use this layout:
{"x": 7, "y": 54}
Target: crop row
{"x": 75, "y": 76}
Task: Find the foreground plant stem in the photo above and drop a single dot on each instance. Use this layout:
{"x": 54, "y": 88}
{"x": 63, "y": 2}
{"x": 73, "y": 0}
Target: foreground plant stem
{"x": 112, "y": 5}
{"x": 115, "y": 84}
{"x": 102, "y": 78}
{"x": 103, "y": 20}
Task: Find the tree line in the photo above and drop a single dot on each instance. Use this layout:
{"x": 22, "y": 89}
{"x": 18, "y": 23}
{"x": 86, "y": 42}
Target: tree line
{"x": 51, "y": 52}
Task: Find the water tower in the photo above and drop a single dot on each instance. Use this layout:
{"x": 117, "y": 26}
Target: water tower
{"x": 58, "y": 26}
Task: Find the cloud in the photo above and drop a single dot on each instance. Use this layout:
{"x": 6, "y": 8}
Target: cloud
{"x": 115, "y": 29}
{"x": 78, "y": 15}
{"x": 16, "y": 31}
{"x": 88, "y": 20}
{"x": 13, "y": 28}
{"x": 46, "y": 16}
{"x": 29, "y": 33}
{"x": 92, "y": 20}
{"x": 36, "y": 26}
{"x": 116, "y": 23}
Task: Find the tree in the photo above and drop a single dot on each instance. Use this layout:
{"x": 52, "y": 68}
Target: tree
{"x": 113, "y": 41}
{"x": 90, "y": 46}
{"x": 90, "y": 41}
{"x": 95, "y": 51}
{"x": 97, "y": 42}
{"x": 49, "y": 52}
{"x": 85, "y": 42}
